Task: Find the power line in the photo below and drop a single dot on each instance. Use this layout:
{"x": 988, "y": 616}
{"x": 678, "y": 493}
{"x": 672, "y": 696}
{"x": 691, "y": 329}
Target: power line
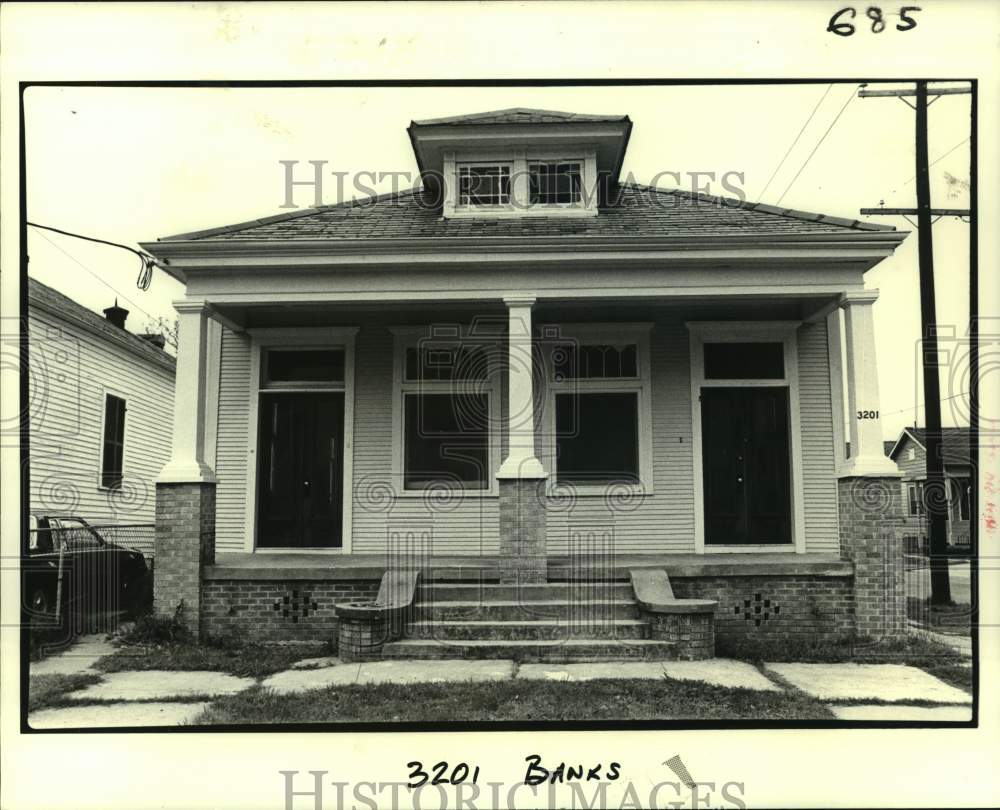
{"x": 921, "y": 404}
{"x": 850, "y": 98}
{"x": 91, "y": 272}
{"x": 790, "y": 148}
{"x": 148, "y": 262}
{"x": 936, "y": 160}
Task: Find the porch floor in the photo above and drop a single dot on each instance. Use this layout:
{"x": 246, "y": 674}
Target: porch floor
{"x": 320, "y": 566}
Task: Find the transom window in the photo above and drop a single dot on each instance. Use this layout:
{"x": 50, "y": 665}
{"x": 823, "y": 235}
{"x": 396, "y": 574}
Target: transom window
{"x": 592, "y": 361}
{"x": 744, "y": 361}
{"x": 484, "y": 185}
{"x": 554, "y": 183}
{"x": 302, "y": 367}
{"x": 448, "y": 362}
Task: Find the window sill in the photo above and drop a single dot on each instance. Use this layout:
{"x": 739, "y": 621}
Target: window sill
{"x": 557, "y": 490}
{"x": 417, "y": 494}
{"x": 777, "y": 548}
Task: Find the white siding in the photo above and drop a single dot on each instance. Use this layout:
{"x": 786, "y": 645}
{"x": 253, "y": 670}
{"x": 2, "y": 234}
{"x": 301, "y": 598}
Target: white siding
{"x": 819, "y": 481}
{"x": 660, "y": 522}
{"x": 231, "y": 443}
{"x": 71, "y": 370}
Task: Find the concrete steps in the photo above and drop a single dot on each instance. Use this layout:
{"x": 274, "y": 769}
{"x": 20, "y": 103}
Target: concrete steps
{"x": 552, "y": 630}
{"x": 532, "y": 650}
{"x": 553, "y": 622}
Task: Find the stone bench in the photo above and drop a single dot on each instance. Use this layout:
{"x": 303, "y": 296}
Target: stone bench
{"x": 364, "y": 627}
{"x": 688, "y": 623}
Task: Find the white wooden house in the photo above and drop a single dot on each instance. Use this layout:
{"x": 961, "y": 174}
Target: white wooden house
{"x": 522, "y": 370}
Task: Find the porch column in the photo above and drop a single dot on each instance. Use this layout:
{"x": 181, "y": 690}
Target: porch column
{"x": 185, "y": 488}
{"x": 521, "y": 477}
{"x": 867, "y": 452}
{"x": 869, "y": 496}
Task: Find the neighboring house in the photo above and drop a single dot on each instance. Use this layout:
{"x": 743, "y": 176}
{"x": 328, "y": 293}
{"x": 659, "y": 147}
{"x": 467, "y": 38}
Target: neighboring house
{"x": 511, "y": 378}
{"x": 101, "y": 411}
{"x": 909, "y": 452}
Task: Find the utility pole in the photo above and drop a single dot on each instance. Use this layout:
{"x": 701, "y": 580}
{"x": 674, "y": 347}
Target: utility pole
{"x": 935, "y": 498}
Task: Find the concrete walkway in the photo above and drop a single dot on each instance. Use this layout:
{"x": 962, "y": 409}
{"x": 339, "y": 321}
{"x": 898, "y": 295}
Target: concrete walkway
{"x": 77, "y": 659}
{"x": 873, "y": 692}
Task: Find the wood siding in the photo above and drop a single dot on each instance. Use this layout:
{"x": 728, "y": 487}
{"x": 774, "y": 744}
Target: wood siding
{"x": 661, "y": 521}
{"x": 231, "y": 491}
{"x": 72, "y": 369}
{"x": 819, "y": 483}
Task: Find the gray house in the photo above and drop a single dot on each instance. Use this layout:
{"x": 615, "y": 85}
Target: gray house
{"x": 523, "y": 374}
{"x": 909, "y": 452}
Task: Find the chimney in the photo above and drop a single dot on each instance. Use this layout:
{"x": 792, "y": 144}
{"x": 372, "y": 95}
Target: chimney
{"x": 116, "y": 315}
{"x": 157, "y": 340}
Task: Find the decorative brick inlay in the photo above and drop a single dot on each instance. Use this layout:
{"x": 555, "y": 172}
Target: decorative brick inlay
{"x": 757, "y": 609}
{"x": 185, "y": 541}
{"x": 245, "y": 609}
{"x": 807, "y": 606}
{"x": 522, "y": 530}
{"x": 870, "y": 522}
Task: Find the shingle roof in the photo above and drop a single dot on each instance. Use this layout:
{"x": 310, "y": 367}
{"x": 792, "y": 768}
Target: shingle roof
{"x": 955, "y": 443}
{"x": 520, "y": 115}
{"x": 70, "y": 311}
{"x": 635, "y": 210}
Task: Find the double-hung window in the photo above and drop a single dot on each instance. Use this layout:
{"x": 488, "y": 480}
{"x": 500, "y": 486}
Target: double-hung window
{"x": 113, "y": 442}
{"x": 916, "y": 498}
{"x": 447, "y": 405}
{"x": 599, "y": 403}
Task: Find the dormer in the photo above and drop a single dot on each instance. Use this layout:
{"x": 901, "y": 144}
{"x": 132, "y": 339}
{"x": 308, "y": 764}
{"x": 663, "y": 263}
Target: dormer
{"x": 520, "y": 162}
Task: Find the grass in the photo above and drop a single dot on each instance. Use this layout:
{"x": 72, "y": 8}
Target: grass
{"x": 45, "y": 691}
{"x": 515, "y": 700}
{"x": 247, "y": 660}
{"x": 937, "y": 659}
{"x": 954, "y": 619}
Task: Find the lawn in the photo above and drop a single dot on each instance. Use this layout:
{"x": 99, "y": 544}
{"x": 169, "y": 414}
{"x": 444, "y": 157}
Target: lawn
{"x": 952, "y": 620}
{"x": 517, "y": 700}
{"x": 45, "y": 691}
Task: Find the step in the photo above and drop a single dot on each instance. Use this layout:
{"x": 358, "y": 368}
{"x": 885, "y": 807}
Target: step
{"x": 535, "y": 651}
{"x": 521, "y": 610}
{"x": 528, "y": 630}
{"x": 534, "y": 592}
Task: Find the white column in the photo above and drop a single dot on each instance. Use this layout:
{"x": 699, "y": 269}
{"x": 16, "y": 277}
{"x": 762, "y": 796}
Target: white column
{"x": 187, "y": 459}
{"x": 836, "y": 360}
{"x": 521, "y": 461}
{"x": 867, "y": 452}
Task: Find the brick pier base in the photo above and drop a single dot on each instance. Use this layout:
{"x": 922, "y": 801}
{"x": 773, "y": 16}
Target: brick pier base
{"x": 185, "y": 542}
{"x": 870, "y": 519}
{"x": 693, "y": 633}
{"x": 522, "y": 530}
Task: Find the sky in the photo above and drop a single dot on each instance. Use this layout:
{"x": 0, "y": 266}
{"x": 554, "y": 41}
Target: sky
{"x": 135, "y": 164}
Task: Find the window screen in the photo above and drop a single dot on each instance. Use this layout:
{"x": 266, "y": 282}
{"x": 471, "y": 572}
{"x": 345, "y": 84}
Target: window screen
{"x": 446, "y": 439}
{"x": 113, "y": 447}
{"x": 553, "y": 183}
{"x": 597, "y": 437}
{"x": 744, "y": 361}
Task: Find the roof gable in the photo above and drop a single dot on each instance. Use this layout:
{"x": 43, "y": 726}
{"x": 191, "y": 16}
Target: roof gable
{"x": 955, "y": 443}
{"x": 519, "y": 115}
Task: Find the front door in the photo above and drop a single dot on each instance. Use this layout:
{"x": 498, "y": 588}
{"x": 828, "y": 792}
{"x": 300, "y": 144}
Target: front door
{"x": 301, "y": 470}
{"x": 745, "y": 462}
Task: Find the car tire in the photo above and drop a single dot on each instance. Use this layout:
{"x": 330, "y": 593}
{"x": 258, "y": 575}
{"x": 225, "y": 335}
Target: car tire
{"x": 40, "y": 606}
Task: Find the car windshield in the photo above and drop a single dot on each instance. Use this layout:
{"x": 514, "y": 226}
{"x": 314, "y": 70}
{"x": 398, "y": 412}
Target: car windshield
{"x": 75, "y": 534}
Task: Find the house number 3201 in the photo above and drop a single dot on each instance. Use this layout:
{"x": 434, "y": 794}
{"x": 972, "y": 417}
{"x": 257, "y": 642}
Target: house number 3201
{"x": 839, "y": 26}
{"x": 441, "y": 775}
{"x": 867, "y": 414}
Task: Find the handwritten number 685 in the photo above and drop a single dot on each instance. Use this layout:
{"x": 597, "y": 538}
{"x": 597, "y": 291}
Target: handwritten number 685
{"x": 873, "y": 13}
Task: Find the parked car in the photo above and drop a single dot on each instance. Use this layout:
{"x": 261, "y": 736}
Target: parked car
{"x": 72, "y": 569}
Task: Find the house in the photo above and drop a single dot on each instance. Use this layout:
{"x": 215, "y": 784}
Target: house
{"x": 525, "y": 374}
{"x": 909, "y": 452}
{"x": 101, "y": 410}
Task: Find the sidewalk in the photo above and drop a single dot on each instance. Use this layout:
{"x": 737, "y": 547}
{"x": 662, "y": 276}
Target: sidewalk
{"x": 855, "y": 692}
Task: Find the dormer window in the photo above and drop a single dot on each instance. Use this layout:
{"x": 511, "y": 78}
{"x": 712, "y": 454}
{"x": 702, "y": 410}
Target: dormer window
{"x": 555, "y": 183}
{"x": 484, "y": 185}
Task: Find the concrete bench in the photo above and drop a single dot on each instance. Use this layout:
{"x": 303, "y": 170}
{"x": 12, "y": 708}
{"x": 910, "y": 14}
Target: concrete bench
{"x": 688, "y": 623}
{"x": 363, "y": 627}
